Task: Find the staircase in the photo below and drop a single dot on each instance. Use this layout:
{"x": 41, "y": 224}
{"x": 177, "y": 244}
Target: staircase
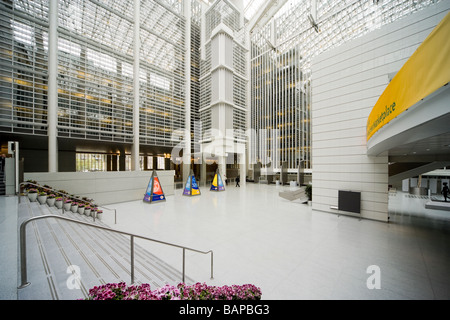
{"x": 294, "y": 195}
{"x": 65, "y": 259}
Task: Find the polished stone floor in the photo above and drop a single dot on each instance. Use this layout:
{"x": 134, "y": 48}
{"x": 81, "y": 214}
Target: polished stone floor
{"x": 292, "y": 252}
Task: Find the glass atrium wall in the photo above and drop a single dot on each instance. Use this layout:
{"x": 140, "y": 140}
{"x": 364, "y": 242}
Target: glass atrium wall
{"x": 95, "y": 69}
{"x": 23, "y": 67}
{"x": 281, "y": 71}
{"x": 91, "y": 162}
{"x": 95, "y": 75}
{"x": 162, "y": 64}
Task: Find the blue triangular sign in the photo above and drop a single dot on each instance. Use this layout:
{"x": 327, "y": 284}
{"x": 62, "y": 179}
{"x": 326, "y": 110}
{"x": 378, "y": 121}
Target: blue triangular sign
{"x": 154, "y": 191}
{"x": 191, "y": 187}
{"x": 217, "y": 183}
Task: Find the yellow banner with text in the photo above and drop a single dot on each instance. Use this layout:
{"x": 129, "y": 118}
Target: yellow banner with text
{"x": 427, "y": 70}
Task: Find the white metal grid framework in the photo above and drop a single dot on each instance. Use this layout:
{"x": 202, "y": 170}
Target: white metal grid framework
{"x": 95, "y": 69}
{"x": 23, "y": 67}
{"x": 281, "y": 54}
{"x": 196, "y": 12}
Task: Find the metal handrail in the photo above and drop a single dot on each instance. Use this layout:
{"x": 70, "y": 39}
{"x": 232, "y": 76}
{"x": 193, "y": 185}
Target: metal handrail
{"x": 23, "y": 248}
{"x": 64, "y": 196}
{"x": 115, "y": 213}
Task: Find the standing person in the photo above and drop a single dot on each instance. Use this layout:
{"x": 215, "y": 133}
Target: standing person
{"x": 226, "y": 179}
{"x": 237, "y": 181}
{"x": 2, "y": 163}
{"x": 445, "y": 191}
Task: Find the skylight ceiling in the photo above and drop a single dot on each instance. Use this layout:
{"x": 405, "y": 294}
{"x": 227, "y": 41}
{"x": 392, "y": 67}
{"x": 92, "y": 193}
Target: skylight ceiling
{"x": 251, "y": 7}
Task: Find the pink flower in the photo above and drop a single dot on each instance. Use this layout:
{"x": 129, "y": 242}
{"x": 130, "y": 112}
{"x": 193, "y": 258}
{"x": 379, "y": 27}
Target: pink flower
{"x": 198, "y": 291}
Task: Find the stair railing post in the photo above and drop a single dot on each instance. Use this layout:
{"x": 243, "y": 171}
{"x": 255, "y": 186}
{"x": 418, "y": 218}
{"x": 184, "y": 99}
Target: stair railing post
{"x": 23, "y": 257}
{"x": 184, "y": 256}
{"x": 212, "y": 265}
{"x": 132, "y": 258}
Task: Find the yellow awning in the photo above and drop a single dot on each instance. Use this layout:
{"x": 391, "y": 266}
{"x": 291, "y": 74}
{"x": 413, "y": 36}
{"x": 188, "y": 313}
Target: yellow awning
{"x": 427, "y": 70}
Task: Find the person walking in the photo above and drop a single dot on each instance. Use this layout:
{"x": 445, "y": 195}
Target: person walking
{"x": 237, "y": 181}
{"x": 445, "y": 191}
{"x": 2, "y": 163}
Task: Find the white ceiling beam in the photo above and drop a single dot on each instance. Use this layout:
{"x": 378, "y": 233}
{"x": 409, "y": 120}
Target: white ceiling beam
{"x": 265, "y": 13}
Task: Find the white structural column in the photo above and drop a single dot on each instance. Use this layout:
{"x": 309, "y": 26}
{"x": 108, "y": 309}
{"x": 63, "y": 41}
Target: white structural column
{"x": 245, "y": 163}
{"x": 222, "y": 94}
{"x": 187, "y": 66}
{"x": 204, "y": 8}
{"x": 136, "y": 50}
{"x": 225, "y": 112}
{"x": 242, "y": 168}
{"x": 52, "y": 109}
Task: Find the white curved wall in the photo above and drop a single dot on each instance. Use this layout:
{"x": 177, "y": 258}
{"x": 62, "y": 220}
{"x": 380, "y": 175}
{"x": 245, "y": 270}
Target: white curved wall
{"x": 428, "y": 118}
{"x": 347, "y": 82}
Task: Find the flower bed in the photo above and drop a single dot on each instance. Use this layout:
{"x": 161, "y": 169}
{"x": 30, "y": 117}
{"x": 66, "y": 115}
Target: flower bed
{"x": 198, "y": 291}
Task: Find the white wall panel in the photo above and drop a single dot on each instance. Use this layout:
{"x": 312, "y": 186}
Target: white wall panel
{"x": 215, "y": 52}
{"x": 228, "y": 86}
{"x": 104, "y": 187}
{"x": 336, "y": 108}
{"x": 228, "y": 46}
{"x": 215, "y": 89}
